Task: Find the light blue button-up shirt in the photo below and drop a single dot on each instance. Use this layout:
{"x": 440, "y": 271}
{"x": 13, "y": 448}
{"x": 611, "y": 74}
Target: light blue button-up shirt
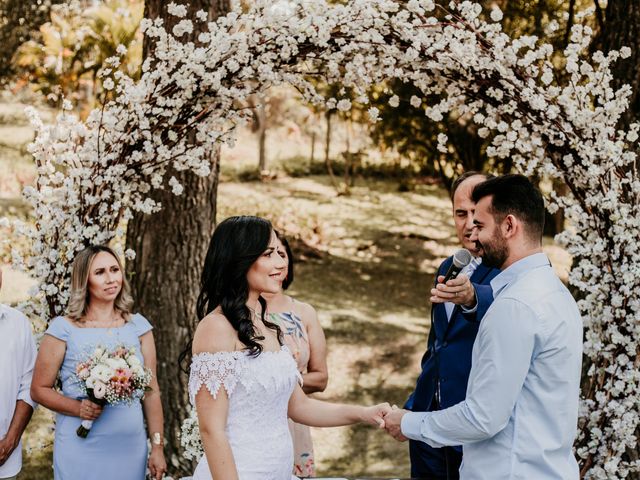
{"x": 519, "y": 418}
{"x": 17, "y": 358}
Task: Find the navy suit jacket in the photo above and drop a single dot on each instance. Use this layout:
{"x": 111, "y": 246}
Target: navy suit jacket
{"x": 448, "y": 356}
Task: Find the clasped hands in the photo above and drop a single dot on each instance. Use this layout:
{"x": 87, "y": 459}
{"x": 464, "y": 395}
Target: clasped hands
{"x": 387, "y": 417}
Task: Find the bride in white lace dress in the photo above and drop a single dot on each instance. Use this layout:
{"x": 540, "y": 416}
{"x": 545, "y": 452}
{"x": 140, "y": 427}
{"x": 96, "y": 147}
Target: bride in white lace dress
{"x": 251, "y": 382}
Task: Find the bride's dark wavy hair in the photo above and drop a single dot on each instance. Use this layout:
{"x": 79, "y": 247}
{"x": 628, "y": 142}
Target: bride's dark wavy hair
{"x": 236, "y": 244}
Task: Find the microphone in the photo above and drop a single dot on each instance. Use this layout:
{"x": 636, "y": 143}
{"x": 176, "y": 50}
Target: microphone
{"x": 461, "y": 259}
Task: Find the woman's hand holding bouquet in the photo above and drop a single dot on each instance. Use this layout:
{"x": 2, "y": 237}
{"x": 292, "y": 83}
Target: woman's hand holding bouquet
{"x": 110, "y": 377}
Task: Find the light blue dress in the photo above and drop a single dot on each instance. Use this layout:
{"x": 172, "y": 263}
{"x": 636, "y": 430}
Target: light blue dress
{"x": 116, "y": 447}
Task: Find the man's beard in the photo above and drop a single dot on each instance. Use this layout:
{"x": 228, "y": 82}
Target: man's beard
{"x": 495, "y": 252}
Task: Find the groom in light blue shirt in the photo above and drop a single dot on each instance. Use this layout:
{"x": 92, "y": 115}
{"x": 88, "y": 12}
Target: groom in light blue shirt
{"x": 519, "y": 418}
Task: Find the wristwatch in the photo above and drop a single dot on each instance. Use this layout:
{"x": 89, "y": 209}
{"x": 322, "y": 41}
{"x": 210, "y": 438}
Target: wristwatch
{"x": 156, "y": 438}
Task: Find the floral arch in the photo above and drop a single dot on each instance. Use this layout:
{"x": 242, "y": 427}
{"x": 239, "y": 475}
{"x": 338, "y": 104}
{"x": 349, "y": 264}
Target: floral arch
{"x": 92, "y": 175}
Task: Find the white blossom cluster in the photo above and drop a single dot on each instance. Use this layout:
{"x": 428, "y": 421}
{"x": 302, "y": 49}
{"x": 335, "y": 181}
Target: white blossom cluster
{"x": 190, "y": 439}
{"x": 93, "y": 174}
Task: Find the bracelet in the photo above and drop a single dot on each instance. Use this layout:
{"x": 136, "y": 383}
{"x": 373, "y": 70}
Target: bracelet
{"x": 157, "y": 439}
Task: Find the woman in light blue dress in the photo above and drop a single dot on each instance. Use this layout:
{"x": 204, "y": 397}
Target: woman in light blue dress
{"x": 98, "y": 315}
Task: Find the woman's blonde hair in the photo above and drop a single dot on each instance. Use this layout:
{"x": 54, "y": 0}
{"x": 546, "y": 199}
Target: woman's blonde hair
{"x": 79, "y": 298}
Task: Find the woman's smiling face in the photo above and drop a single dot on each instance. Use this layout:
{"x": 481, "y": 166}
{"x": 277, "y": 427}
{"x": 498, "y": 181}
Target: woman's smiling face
{"x": 268, "y": 271}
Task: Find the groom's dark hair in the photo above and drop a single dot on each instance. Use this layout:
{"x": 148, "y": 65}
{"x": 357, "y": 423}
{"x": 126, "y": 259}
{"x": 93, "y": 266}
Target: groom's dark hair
{"x": 515, "y": 195}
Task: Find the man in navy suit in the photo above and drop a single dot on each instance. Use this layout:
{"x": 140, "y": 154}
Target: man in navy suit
{"x": 457, "y": 310}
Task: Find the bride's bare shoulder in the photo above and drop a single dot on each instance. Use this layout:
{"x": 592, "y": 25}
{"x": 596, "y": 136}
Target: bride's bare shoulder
{"x": 215, "y": 334}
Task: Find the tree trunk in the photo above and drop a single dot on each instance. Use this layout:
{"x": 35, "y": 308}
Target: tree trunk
{"x": 347, "y": 157}
{"x": 567, "y": 33}
{"x": 313, "y": 150}
{"x": 262, "y": 132}
{"x": 327, "y": 146}
{"x": 170, "y": 249}
{"x": 621, "y": 28}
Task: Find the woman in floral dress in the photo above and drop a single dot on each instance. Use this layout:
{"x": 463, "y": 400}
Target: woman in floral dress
{"x": 304, "y": 336}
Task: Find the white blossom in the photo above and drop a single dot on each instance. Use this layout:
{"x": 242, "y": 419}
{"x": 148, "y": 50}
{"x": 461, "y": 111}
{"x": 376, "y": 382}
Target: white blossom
{"x": 442, "y": 143}
{"x": 344, "y": 105}
{"x": 177, "y": 10}
{"x": 182, "y": 27}
{"x": 202, "y": 15}
{"x": 496, "y": 14}
{"x": 176, "y": 187}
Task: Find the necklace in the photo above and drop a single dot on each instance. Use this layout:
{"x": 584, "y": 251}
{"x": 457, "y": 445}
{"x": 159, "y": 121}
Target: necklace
{"x": 112, "y": 323}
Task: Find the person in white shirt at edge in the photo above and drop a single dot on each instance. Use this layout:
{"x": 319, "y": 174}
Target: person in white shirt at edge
{"x": 17, "y": 357}
{"x": 519, "y": 418}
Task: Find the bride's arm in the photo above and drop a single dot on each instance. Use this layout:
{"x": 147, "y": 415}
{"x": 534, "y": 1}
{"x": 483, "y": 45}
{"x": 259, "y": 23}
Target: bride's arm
{"x": 215, "y": 334}
{"x": 317, "y": 413}
{"x": 212, "y": 417}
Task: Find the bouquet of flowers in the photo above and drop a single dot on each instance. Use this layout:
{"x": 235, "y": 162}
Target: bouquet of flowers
{"x": 110, "y": 377}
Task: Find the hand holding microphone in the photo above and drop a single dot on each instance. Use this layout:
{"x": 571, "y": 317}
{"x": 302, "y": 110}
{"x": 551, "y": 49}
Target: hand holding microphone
{"x": 453, "y": 287}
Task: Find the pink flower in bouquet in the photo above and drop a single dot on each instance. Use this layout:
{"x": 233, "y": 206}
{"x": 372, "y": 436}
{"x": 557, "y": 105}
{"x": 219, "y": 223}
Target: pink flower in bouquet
{"x": 121, "y": 352}
{"x": 83, "y": 374}
{"x": 121, "y": 381}
{"x": 122, "y": 375}
{"x": 99, "y": 390}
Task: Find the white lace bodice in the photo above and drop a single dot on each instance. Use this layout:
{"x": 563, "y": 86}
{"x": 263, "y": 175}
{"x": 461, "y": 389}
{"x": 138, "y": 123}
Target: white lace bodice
{"x": 259, "y": 389}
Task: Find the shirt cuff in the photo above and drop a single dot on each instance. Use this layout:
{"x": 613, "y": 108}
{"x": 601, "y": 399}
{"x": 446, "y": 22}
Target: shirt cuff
{"x": 26, "y": 398}
{"x": 475, "y": 306}
{"x": 411, "y": 425}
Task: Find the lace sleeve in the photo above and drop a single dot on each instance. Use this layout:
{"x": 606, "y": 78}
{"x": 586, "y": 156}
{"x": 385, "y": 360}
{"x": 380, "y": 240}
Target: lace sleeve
{"x": 215, "y": 370}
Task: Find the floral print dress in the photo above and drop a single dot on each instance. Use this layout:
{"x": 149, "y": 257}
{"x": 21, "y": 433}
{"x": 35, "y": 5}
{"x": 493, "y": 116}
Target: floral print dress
{"x": 297, "y": 340}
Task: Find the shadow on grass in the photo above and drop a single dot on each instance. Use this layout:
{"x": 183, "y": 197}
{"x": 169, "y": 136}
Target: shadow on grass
{"x": 389, "y": 286}
{"x": 368, "y": 451}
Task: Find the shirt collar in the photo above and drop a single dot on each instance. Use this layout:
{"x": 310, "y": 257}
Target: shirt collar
{"x": 3, "y": 311}
{"x": 511, "y": 273}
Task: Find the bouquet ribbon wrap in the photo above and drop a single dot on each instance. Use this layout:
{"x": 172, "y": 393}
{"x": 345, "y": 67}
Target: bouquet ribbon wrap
{"x": 85, "y": 426}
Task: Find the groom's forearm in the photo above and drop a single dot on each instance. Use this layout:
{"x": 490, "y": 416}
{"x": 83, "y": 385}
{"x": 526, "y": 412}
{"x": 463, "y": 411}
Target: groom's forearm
{"x": 442, "y": 428}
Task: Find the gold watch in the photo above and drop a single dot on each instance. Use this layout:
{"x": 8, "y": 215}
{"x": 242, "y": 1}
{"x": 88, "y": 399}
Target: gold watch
{"x": 156, "y": 438}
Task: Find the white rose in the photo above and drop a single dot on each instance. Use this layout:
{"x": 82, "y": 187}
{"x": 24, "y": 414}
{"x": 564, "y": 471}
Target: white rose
{"x": 133, "y": 360}
{"x": 101, "y": 372}
{"x": 116, "y": 363}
